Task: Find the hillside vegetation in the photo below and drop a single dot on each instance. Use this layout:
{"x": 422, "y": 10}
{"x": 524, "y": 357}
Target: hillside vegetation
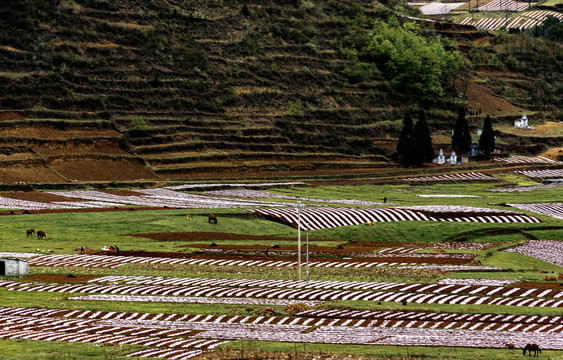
{"x": 97, "y": 90}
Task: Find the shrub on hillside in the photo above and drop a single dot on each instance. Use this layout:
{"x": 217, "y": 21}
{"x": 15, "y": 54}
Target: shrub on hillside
{"x": 294, "y": 309}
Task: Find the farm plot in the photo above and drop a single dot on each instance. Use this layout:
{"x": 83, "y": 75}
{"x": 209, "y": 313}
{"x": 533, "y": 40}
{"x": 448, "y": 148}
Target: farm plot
{"x": 263, "y": 195}
{"x": 193, "y": 300}
{"x": 436, "y": 8}
{"x": 554, "y": 173}
{"x": 165, "y": 198}
{"x": 522, "y": 23}
{"x": 399, "y": 336}
{"x": 541, "y": 15}
{"x": 485, "y": 23}
{"x": 487, "y": 282}
{"x": 205, "y": 332}
{"x": 334, "y": 285}
{"x": 504, "y": 5}
{"x": 470, "y": 176}
{"x": 554, "y": 210}
{"x": 322, "y": 218}
{"x": 417, "y": 293}
{"x": 463, "y": 245}
{"x": 237, "y": 185}
{"x": 547, "y": 250}
{"x": 529, "y": 188}
{"x": 446, "y": 318}
{"x": 106, "y": 261}
{"x": 527, "y": 159}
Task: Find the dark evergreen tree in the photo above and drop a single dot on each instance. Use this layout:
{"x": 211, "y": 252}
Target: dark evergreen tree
{"x": 406, "y": 143}
{"x": 424, "y": 151}
{"x": 461, "y": 138}
{"x": 487, "y": 139}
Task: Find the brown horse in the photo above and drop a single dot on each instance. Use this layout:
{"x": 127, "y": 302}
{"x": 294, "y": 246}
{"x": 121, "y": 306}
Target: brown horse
{"x": 30, "y": 232}
{"x": 532, "y": 347}
{"x": 41, "y": 234}
{"x": 213, "y": 219}
{"x": 510, "y": 346}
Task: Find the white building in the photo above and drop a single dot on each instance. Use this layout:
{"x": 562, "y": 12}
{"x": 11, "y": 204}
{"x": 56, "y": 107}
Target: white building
{"x": 441, "y": 159}
{"x": 523, "y": 123}
{"x": 453, "y": 158}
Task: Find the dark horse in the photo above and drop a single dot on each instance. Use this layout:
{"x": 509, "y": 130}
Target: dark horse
{"x": 41, "y": 234}
{"x": 30, "y": 232}
{"x": 532, "y": 347}
{"x": 213, "y": 219}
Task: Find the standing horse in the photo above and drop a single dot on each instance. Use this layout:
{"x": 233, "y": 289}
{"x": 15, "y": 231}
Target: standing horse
{"x": 213, "y": 219}
{"x": 532, "y": 347}
{"x": 41, "y": 234}
{"x": 30, "y": 232}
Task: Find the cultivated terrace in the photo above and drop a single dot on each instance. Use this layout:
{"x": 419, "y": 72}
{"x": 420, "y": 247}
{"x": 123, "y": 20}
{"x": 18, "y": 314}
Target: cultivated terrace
{"x": 257, "y": 179}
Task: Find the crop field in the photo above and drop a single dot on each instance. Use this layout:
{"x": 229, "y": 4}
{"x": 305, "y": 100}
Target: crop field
{"x": 432, "y": 266}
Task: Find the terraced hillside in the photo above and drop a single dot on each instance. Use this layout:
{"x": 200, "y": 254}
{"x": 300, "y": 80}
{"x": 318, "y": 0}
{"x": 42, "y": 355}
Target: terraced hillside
{"x": 97, "y": 90}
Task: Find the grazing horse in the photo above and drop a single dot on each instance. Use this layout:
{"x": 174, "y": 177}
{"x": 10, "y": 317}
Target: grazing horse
{"x": 190, "y": 217}
{"x": 510, "y": 346}
{"x": 30, "y": 232}
{"x": 213, "y": 219}
{"x": 41, "y": 234}
{"x": 532, "y": 347}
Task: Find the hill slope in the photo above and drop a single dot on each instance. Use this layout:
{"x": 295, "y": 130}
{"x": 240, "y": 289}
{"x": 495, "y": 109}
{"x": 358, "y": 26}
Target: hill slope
{"x": 98, "y": 90}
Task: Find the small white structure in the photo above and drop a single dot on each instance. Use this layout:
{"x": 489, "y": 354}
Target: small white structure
{"x": 13, "y": 267}
{"x": 441, "y": 159}
{"x": 523, "y": 123}
{"x": 453, "y": 158}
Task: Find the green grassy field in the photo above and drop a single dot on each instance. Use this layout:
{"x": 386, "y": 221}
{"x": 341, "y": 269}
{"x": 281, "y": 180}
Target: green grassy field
{"x": 66, "y": 232}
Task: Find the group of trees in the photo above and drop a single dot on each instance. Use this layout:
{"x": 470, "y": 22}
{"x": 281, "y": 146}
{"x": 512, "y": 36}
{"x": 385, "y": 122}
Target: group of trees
{"x": 416, "y": 64}
{"x": 415, "y": 141}
{"x": 461, "y": 137}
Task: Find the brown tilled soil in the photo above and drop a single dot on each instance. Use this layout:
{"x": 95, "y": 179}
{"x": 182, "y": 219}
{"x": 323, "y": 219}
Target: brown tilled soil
{"x": 60, "y": 278}
{"x": 10, "y": 116}
{"x": 481, "y": 97}
{"x": 53, "y": 211}
{"x": 538, "y": 285}
{"x": 36, "y": 196}
{"x": 201, "y": 235}
{"x": 10, "y": 174}
{"x": 180, "y": 255}
{"x": 106, "y": 147}
{"x": 49, "y": 132}
{"x": 91, "y": 169}
{"x": 332, "y": 249}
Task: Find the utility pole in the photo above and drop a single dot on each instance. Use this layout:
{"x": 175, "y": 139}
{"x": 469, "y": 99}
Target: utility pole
{"x": 299, "y": 206}
{"x": 307, "y": 269}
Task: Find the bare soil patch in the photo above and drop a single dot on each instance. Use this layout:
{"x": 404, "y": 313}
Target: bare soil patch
{"x": 102, "y": 169}
{"x": 538, "y": 285}
{"x": 28, "y": 173}
{"x": 481, "y": 97}
{"x": 554, "y": 154}
{"x": 53, "y": 211}
{"x": 271, "y": 257}
{"x": 61, "y": 278}
{"x": 202, "y": 235}
{"x": 105, "y": 147}
{"x": 10, "y": 116}
{"x": 36, "y": 196}
{"x": 49, "y": 132}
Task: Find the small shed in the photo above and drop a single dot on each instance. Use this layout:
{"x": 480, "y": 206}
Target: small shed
{"x": 13, "y": 267}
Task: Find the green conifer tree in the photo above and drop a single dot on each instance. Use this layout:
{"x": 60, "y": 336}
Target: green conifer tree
{"x": 424, "y": 151}
{"x": 406, "y": 143}
{"x": 487, "y": 139}
{"x": 461, "y": 138}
